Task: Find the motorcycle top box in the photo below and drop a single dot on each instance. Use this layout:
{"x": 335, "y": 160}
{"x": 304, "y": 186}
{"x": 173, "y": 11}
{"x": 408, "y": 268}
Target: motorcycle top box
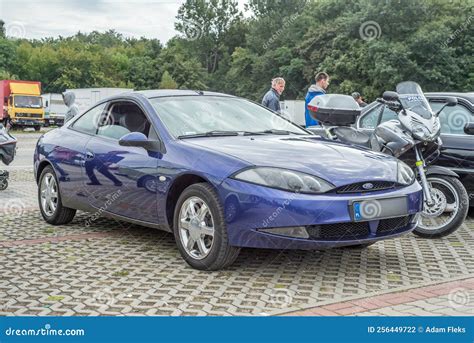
{"x": 334, "y": 109}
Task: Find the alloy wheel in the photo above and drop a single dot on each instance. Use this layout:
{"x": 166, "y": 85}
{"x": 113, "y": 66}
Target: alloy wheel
{"x": 49, "y": 194}
{"x": 196, "y": 227}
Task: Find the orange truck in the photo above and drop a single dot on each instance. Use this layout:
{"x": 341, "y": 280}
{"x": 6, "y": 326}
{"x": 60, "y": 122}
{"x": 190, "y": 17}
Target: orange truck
{"x": 22, "y": 105}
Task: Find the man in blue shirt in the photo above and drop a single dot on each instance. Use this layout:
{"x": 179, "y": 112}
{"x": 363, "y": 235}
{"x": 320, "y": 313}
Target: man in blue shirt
{"x": 271, "y": 99}
{"x": 322, "y": 83}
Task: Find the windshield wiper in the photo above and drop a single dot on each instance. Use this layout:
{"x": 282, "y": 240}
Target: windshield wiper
{"x": 214, "y": 133}
{"x": 278, "y": 132}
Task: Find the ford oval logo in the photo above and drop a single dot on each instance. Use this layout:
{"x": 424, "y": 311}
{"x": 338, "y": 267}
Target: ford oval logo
{"x": 368, "y": 185}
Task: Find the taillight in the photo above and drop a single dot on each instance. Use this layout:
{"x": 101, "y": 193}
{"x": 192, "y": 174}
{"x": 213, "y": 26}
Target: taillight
{"x": 312, "y": 108}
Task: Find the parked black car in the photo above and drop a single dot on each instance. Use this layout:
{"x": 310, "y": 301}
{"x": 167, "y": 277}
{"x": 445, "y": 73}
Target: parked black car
{"x": 457, "y": 152}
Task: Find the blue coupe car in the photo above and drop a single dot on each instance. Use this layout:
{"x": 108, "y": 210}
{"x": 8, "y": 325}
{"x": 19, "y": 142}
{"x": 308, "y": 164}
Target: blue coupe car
{"x": 221, "y": 173}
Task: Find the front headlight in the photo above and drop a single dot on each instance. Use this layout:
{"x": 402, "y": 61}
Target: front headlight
{"x": 284, "y": 179}
{"x": 421, "y": 132}
{"x": 405, "y": 176}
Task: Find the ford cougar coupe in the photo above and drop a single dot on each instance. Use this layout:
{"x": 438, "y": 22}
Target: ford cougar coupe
{"x": 220, "y": 173}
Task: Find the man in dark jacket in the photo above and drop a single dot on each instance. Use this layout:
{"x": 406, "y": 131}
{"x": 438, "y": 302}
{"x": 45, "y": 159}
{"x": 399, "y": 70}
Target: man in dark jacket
{"x": 271, "y": 99}
{"x": 358, "y": 98}
{"x": 322, "y": 83}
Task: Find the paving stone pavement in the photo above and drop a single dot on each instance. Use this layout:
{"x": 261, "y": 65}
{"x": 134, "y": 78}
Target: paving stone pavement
{"x": 452, "y": 298}
{"x": 114, "y": 268}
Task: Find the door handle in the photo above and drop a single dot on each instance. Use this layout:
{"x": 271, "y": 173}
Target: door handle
{"x": 89, "y": 155}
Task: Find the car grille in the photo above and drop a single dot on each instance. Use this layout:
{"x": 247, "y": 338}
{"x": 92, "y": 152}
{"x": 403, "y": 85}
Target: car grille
{"x": 393, "y": 224}
{"x": 355, "y": 230}
{"x": 339, "y": 231}
{"x": 28, "y": 115}
{"x": 359, "y": 187}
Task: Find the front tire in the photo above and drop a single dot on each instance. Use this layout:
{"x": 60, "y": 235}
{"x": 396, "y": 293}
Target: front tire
{"x": 49, "y": 198}
{"x": 200, "y": 229}
{"x": 451, "y": 194}
{"x": 37, "y": 128}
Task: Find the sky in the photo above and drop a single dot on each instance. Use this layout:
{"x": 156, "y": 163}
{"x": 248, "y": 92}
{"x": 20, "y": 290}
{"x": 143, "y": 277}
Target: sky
{"x": 53, "y": 18}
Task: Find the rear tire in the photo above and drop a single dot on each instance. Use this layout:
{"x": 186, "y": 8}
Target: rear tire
{"x": 197, "y": 211}
{"x": 37, "y": 128}
{"x": 60, "y": 214}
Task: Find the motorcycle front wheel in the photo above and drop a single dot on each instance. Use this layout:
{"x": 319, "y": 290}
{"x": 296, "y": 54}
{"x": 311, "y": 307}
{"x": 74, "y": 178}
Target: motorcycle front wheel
{"x": 448, "y": 209}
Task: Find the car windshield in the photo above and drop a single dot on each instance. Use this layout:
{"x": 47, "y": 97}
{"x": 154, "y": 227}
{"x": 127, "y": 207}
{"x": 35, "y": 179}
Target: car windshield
{"x": 412, "y": 98}
{"x": 220, "y": 116}
{"x": 24, "y": 101}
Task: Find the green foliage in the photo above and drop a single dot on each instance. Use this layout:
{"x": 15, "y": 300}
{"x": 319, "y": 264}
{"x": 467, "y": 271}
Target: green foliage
{"x": 428, "y": 41}
{"x": 167, "y": 81}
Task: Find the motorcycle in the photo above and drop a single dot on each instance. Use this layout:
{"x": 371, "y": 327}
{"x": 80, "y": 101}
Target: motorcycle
{"x": 414, "y": 139}
{"x": 7, "y": 154}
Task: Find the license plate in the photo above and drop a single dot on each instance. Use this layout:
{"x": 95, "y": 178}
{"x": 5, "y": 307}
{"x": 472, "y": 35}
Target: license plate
{"x": 373, "y": 209}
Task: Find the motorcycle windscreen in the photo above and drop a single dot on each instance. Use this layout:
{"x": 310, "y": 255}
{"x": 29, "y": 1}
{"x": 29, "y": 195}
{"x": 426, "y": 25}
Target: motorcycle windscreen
{"x": 334, "y": 109}
{"x": 412, "y": 98}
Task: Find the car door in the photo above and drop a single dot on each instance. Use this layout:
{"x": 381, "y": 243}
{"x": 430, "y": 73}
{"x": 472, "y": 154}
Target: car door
{"x": 122, "y": 180}
{"x": 457, "y": 152}
{"x": 68, "y": 158}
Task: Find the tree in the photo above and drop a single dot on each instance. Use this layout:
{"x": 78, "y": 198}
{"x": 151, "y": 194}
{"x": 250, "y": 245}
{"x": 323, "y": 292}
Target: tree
{"x": 205, "y": 23}
{"x": 2, "y": 29}
{"x": 167, "y": 81}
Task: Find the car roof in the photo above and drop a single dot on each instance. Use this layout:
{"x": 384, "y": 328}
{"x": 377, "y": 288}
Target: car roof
{"x": 157, "y": 93}
{"x": 467, "y": 96}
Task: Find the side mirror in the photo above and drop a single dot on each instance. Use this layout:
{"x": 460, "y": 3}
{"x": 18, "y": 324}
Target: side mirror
{"x": 469, "y": 129}
{"x": 451, "y": 101}
{"x": 390, "y": 96}
{"x": 138, "y": 139}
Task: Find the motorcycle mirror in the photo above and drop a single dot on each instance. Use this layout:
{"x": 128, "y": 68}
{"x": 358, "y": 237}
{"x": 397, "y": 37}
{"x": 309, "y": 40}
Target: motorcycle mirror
{"x": 469, "y": 129}
{"x": 390, "y": 96}
{"x": 451, "y": 101}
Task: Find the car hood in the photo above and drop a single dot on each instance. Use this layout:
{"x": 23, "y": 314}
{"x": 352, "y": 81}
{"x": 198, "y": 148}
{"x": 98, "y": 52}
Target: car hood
{"x": 335, "y": 162}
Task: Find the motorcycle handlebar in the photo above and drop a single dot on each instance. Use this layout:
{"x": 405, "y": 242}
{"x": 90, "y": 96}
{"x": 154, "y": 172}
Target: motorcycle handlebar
{"x": 393, "y": 105}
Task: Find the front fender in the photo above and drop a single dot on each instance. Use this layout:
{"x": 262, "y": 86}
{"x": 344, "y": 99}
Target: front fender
{"x": 437, "y": 170}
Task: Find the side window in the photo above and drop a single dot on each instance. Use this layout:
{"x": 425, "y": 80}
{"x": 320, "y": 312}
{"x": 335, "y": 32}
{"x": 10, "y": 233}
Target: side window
{"x": 369, "y": 121}
{"x": 388, "y": 114}
{"x": 87, "y": 123}
{"x": 122, "y": 118}
{"x": 453, "y": 119}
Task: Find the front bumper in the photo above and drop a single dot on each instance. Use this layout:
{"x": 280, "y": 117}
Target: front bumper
{"x": 27, "y": 122}
{"x": 249, "y": 208}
